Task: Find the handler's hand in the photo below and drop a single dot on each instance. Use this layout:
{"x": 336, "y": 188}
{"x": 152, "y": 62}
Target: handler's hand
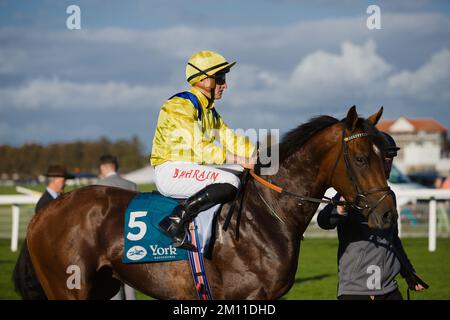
{"x": 341, "y": 209}
{"x": 413, "y": 284}
{"x": 419, "y": 287}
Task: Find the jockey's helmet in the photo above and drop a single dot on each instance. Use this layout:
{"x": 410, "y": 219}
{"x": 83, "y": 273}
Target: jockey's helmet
{"x": 205, "y": 64}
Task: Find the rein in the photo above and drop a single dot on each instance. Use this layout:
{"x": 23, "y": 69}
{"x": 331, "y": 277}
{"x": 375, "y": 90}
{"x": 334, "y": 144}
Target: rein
{"x": 360, "y": 202}
{"x": 288, "y": 193}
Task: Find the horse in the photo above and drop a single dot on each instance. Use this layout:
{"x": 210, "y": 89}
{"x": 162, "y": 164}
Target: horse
{"x": 85, "y": 227}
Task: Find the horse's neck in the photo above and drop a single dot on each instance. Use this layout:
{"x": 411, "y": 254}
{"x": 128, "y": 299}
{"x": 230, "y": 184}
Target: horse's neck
{"x": 304, "y": 174}
{"x": 263, "y": 235}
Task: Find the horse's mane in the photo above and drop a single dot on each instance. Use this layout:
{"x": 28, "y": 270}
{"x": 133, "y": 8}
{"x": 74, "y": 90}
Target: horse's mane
{"x": 296, "y": 138}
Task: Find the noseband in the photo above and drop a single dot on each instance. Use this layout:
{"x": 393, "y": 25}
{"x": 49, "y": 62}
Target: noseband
{"x": 360, "y": 202}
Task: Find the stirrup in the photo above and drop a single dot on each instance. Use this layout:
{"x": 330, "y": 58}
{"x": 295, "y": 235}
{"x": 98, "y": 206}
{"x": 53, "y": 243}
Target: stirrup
{"x": 183, "y": 243}
{"x": 176, "y": 231}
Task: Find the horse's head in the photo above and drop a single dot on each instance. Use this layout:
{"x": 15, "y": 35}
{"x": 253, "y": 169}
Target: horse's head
{"x": 359, "y": 170}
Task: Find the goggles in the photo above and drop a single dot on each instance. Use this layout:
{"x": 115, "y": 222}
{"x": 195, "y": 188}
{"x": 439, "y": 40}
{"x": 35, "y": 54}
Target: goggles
{"x": 220, "y": 78}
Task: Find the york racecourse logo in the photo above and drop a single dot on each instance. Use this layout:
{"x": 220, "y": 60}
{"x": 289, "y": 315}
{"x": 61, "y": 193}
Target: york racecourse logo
{"x": 136, "y": 253}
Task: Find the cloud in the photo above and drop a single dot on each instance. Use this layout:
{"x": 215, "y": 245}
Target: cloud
{"x": 321, "y": 83}
{"x": 10, "y": 61}
{"x": 357, "y": 69}
{"x": 285, "y": 74}
{"x": 132, "y": 55}
{"x": 354, "y": 66}
{"x": 319, "y": 79}
{"x": 429, "y": 83}
{"x": 5, "y": 132}
{"x": 328, "y": 83}
{"x": 57, "y": 94}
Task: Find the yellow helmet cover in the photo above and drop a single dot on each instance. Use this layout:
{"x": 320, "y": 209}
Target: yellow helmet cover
{"x": 204, "y": 64}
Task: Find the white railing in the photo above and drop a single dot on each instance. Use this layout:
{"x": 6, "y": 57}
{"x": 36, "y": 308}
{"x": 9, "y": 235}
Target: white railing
{"x": 431, "y": 195}
{"x": 15, "y": 201}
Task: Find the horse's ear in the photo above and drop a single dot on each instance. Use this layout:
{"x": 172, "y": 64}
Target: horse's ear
{"x": 351, "y": 119}
{"x": 376, "y": 116}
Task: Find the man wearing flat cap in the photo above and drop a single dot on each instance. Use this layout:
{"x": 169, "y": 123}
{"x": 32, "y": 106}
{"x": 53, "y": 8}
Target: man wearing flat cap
{"x": 57, "y": 176}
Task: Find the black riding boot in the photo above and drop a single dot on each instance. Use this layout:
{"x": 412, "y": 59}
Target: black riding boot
{"x": 176, "y": 224}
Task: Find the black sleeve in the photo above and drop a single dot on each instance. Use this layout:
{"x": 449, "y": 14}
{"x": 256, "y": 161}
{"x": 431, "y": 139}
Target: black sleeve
{"x": 328, "y": 218}
{"x": 43, "y": 201}
{"x": 401, "y": 251}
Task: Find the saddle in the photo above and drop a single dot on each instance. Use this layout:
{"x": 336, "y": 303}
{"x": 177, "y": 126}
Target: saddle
{"x": 241, "y": 173}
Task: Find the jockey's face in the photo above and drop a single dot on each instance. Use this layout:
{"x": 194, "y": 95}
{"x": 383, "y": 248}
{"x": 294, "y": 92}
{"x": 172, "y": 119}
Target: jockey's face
{"x": 205, "y": 87}
{"x": 220, "y": 88}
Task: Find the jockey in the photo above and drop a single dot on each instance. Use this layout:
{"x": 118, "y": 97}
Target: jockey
{"x": 184, "y": 151}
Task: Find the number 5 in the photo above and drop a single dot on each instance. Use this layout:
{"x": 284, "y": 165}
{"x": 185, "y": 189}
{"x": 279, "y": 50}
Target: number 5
{"x": 137, "y": 224}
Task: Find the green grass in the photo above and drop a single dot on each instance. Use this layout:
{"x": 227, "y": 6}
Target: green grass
{"x": 316, "y": 276}
{"x": 7, "y": 262}
{"x": 8, "y": 190}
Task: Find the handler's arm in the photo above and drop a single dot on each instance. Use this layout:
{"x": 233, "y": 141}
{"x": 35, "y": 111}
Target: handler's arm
{"x": 401, "y": 251}
{"x": 329, "y": 217}
{"x": 413, "y": 280}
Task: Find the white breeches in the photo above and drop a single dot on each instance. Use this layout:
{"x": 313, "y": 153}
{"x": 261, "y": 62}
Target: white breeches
{"x": 181, "y": 180}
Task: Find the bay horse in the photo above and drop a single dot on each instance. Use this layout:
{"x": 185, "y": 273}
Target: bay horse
{"x": 85, "y": 227}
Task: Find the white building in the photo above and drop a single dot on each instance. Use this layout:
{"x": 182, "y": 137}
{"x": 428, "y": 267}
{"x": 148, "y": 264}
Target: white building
{"x": 422, "y": 142}
{"x": 141, "y": 176}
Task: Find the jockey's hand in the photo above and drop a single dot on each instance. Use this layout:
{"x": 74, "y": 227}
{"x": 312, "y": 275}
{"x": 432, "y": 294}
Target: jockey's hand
{"x": 249, "y": 166}
{"x": 247, "y": 163}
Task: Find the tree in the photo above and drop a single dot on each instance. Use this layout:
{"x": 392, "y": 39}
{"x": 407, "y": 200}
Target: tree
{"x": 31, "y": 160}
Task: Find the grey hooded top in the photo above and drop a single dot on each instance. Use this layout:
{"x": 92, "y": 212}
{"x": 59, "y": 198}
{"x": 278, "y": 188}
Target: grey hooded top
{"x": 367, "y": 264}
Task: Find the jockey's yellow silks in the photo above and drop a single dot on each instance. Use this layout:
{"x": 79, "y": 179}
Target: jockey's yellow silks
{"x": 181, "y": 136}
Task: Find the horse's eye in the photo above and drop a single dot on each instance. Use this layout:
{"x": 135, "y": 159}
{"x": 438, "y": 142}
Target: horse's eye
{"x": 361, "y": 161}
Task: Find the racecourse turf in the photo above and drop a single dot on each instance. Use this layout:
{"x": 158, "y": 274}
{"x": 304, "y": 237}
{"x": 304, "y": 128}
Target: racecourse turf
{"x": 316, "y": 275}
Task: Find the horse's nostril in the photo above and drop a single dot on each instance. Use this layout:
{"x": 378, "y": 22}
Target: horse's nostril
{"x": 386, "y": 218}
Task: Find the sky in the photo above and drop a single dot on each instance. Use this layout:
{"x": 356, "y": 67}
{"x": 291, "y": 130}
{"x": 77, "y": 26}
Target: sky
{"x": 296, "y": 59}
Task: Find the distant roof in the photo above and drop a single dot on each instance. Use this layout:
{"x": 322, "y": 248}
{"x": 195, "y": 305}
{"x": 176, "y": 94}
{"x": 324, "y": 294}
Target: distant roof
{"x": 420, "y": 124}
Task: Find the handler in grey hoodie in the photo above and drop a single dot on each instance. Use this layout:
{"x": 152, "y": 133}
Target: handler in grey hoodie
{"x": 367, "y": 262}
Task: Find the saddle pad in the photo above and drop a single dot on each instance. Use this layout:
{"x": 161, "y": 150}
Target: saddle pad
{"x": 144, "y": 242}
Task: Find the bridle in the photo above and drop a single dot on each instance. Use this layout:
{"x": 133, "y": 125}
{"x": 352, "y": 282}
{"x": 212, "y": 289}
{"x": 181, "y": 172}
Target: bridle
{"x": 360, "y": 203}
